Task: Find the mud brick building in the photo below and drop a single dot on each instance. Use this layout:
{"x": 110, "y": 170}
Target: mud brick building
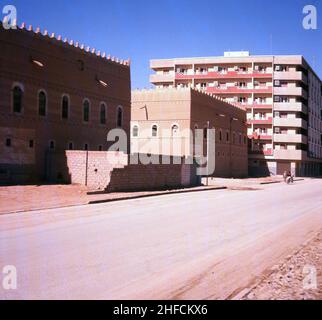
{"x": 164, "y": 121}
{"x": 56, "y": 95}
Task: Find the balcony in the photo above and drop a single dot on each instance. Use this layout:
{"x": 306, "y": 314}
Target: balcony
{"x": 240, "y": 90}
{"x": 290, "y": 122}
{"x": 289, "y": 154}
{"x": 290, "y": 91}
{"x": 262, "y": 106}
{"x": 290, "y": 75}
{"x": 267, "y": 152}
{"x": 264, "y": 136}
{"x": 290, "y": 106}
{"x": 224, "y": 75}
{"x": 268, "y": 120}
{"x": 290, "y": 138}
{"x": 161, "y": 78}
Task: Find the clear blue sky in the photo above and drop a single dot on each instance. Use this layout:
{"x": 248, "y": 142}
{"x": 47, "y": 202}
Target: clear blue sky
{"x": 147, "y": 29}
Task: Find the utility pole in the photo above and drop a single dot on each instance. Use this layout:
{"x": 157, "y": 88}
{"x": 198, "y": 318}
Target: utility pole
{"x": 208, "y": 148}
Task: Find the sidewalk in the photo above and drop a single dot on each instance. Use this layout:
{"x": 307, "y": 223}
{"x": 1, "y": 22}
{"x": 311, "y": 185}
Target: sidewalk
{"x": 14, "y": 199}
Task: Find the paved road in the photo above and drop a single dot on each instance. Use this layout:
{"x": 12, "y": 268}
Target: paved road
{"x": 207, "y": 245}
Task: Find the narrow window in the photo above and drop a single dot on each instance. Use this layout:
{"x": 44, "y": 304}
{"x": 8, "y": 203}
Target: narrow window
{"x": 52, "y": 145}
{"x": 174, "y": 130}
{"x": 220, "y": 136}
{"x": 31, "y": 144}
{"x": 86, "y": 111}
{"x": 119, "y": 118}
{"x": 100, "y": 148}
{"x": 227, "y": 136}
{"x": 8, "y": 142}
{"x": 205, "y": 133}
{"x": 86, "y": 146}
{"x": 42, "y": 103}
{"x": 17, "y": 99}
{"x": 70, "y": 146}
{"x": 135, "y": 131}
{"x": 103, "y": 114}
{"x": 154, "y": 131}
{"x": 65, "y": 107}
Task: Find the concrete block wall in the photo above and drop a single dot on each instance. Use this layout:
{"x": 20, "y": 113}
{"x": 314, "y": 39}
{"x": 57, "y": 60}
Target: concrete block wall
{"x": 152, "y": 177}
{"x": 112, "y": 171}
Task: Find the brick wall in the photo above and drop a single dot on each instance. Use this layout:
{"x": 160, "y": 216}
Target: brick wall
{"x": 113, "y": 172}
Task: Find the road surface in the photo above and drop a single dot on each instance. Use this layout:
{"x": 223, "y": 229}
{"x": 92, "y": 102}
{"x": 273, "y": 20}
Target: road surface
{"x": 205, "y": 245}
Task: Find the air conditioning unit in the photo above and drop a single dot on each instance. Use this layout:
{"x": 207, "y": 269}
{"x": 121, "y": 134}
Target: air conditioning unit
{"x": 216, "y": 69}
{"x": 278, "y": 68}
{"x": 256, "y": 68}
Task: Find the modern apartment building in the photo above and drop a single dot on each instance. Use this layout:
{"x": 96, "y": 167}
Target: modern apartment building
{"x": 56, "y": 95}
{"x": 282, "y": 96}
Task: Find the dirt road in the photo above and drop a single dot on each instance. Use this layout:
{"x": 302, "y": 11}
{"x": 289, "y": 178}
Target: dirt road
{"x": 208, "y": 245}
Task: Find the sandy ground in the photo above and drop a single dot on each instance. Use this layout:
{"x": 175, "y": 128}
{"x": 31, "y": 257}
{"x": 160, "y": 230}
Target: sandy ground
{"x": 298, "y": 277}
{"x": 204, "y": 245}
{"x": 35, "y": 197}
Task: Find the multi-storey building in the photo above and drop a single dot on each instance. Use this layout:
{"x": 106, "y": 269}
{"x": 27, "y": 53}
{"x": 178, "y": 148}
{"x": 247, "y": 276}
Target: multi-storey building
{"x": 56, "y": 95}
{"x": 282, "y": 96}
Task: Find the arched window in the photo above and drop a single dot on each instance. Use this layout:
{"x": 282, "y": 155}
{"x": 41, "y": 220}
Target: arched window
{"x": 119, "y": 117}
{"x": 65, "y": 107}
{"x": 42, "y": 103}
{"x": 227, "y": 136}
{"x": 86, "y": 111}
{"x": 154, "y": 130}
{"x": 17, "y": 99}
{"x": 175, "y": 130}
{"x": 135, "y": 131}
{"x": 103, "y": 113}
{"x": 70, "y": 146}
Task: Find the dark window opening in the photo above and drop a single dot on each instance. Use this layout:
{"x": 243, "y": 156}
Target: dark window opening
{"x": 42, "y": 102}
{"x": 65, "y": 107}
{"x": 86, "y": 111}
{"x": 17, "y": 99}
{"x": 8, "y": 142}
{"x": 52, "y": 145}
{"x": 135, "y": 131}
{"x": 31, "y": 144}
{"x": 154, "y": 131}
{"x": 119, "y": 121}
{"x": 103, "y": 114}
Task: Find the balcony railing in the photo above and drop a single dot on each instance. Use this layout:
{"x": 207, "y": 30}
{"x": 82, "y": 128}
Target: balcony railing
{"x": 290, "y": 122}
{"x": 223, "y": 75}
{"x": 268, "y": 120}
{"x": 235, "y": 89}
{"x": 290, "y": 138}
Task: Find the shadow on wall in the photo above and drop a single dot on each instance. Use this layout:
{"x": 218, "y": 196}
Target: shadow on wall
{"x": 113, "y": 171}
{"x": 258, "y": 167}
{"x": 15, "y": 174}
{"x": 56, "y": 168}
